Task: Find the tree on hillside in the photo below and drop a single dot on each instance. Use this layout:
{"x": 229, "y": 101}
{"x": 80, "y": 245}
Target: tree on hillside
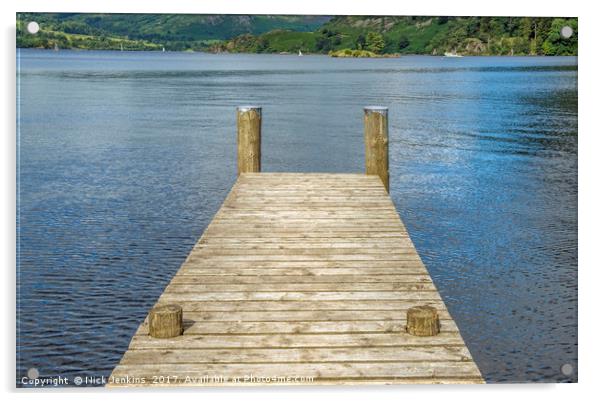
{"x": 403, "y": 42}
{"x": 526, "y": 27}
{"x": 375, "y": 42}
{"x": 360, "y": 42}
{"x": 323, "y": 44}
{"x": 557, "y": 45}
{"x": 262, "y": 44}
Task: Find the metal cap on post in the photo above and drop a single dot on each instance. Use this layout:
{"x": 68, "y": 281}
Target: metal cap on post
{"x": 248, "y": 122}
{"x": 376, "y": 137}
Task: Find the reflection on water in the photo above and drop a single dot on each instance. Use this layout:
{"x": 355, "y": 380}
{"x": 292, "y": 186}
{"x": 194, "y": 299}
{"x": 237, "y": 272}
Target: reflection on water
{"x": 125, "y": 157}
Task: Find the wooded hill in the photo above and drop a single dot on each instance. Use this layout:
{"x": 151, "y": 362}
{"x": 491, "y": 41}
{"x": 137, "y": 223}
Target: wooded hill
{"x": 419, "y": 35}
{"x": 310, "y": 34}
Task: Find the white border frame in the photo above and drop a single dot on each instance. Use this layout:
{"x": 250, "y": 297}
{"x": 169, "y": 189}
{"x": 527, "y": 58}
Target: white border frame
{"x": 589, "y": 199}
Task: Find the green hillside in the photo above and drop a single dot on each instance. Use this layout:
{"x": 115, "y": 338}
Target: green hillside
{"x": 150, "y": 31}
{"x": 341, "y": 35}
{"x": 420, "y": 35}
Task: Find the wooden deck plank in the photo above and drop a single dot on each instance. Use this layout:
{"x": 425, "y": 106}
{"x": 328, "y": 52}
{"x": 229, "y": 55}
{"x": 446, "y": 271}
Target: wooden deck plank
{"x": 342, "y": 279}
{"x": 194, "y": 341}
{"x": 299, "y": 327}
{"x": 175, "y": 297}
{"x": 313, "y": 306}
{"x": 300, "y": 355}
{"x": 305, "y": 287}
{"x": 297, "y": 270}
{"x": 321, "y": 371}
{"x": 280, "y": 313}
{"x": 304, "y": 275}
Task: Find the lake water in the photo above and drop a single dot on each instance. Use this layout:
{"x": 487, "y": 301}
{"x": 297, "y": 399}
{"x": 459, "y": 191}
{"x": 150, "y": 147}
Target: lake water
{"x": 124, "y": 158}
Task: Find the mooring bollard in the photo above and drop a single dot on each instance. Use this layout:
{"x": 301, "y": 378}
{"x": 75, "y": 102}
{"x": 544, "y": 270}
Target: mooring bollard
{"x": 376, "y": 137}
{"x": 248, "y": 122}
{"x": 165, "y": 321}
{"x": 422, "y": 321}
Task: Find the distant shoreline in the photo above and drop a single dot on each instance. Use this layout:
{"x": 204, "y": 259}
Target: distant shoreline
{"x": 383, "y": 56}
{"x": 353, "y": 36}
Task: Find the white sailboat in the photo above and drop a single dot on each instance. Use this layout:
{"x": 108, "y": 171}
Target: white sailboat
{"x": 163, "y": 50}
{"x": 121, "y": 46}
{"x": 300, "y": 54}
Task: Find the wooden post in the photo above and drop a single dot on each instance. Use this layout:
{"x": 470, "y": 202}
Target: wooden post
{"x": 422, "y": 321}
{"x": 165, "y": 321}
{"x": 376, "y": 137}
{"x": 248, "y": 122}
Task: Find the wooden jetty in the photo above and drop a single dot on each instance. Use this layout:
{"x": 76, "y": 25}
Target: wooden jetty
{"x": 301, "y": 279}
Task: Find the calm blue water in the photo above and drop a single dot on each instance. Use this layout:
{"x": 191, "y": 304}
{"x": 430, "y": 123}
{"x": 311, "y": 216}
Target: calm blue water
{"x": 125, "y": 157}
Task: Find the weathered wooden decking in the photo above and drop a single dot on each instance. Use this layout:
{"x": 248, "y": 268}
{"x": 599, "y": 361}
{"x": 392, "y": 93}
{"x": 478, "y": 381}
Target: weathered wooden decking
{"x": 301, "y": 275}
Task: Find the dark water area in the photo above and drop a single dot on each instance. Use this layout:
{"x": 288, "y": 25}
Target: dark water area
{"x": 124, "y": 158}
